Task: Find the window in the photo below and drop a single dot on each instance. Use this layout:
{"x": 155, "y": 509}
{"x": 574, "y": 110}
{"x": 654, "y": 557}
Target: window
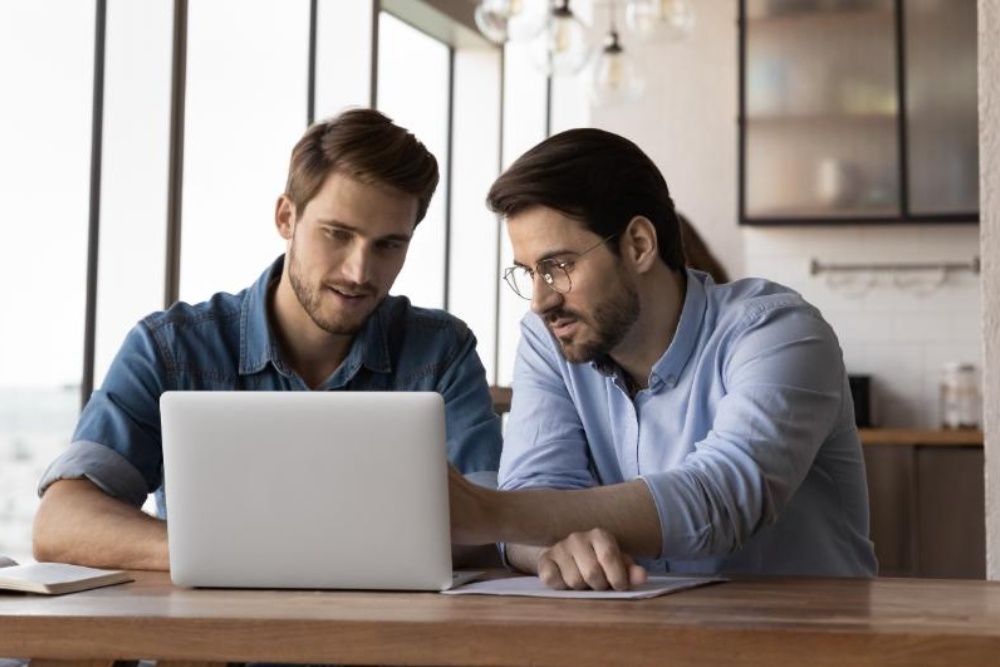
{"x": 420, "y": 104}
{"x": 44, "y": 179}
{"x": 246, "y": 97}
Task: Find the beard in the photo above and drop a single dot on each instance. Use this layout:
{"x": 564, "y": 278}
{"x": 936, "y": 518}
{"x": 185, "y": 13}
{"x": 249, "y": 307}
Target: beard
{"x": 310, "y": 297}
{"x": 609, "y": 321}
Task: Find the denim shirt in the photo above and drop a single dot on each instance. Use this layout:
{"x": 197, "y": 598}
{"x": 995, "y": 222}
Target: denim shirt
{"x": 226, "y": 343}
{"x": 744, "y": 435}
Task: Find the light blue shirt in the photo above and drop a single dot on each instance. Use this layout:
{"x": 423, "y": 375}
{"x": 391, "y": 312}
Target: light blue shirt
{"x": 745, "y": 434}
{"x": 226, "y": 343}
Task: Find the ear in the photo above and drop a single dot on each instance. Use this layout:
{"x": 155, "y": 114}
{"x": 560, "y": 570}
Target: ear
{"x": 284, "y": 217}
{"x": 639, "y": 244}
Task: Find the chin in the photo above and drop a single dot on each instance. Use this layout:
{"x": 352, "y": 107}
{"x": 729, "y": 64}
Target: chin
{"x": 577, "y": 353}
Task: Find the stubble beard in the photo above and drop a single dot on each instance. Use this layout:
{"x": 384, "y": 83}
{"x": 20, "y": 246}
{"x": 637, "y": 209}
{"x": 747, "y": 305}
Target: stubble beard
{"x": 310, "y": 298}
{"x": 610, "y": 322}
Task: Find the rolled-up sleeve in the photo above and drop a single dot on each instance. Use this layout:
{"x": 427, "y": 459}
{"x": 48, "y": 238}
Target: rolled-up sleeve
{"x": 103, "y": 466}
{"x": 783, "y": 372}
{"x": 117, "y": 442}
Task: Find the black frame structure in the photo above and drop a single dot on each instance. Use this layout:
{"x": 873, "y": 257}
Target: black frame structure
{"x": 94, "y": 215}
{"x": 905, "y": 215}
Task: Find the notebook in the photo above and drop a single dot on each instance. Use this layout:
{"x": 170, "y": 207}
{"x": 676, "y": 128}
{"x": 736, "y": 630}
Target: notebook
{"x": 311, "y": 490}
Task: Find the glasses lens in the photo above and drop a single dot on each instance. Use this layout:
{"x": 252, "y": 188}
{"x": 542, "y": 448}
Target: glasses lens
{"x": 520, "y": 281}
{"x": 556, "y": 276}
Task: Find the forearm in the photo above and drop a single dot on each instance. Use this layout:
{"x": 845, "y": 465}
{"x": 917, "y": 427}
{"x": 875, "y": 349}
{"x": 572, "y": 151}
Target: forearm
{"x": 542, "y": 517}
{"x": 523, "y": 557}
{"x": 78, "y": 523}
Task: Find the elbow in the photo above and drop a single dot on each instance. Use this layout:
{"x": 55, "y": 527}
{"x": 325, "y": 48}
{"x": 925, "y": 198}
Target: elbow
{"x": 49, "y": 541}
{"x": 43, "y": 541}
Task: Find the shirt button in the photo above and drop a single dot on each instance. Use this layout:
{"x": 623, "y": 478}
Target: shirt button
{"x": 671, "y": 380}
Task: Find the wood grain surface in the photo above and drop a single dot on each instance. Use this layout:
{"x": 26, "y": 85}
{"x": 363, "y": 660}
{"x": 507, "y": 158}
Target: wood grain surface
{"x": 742, "y": 622}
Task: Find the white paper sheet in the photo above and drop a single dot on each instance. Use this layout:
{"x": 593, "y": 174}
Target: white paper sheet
{"x": 533, "y": 587}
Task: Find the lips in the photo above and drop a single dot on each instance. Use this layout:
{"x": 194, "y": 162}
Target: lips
{"x": 349, "y": 293}
{"x": 562, "y": 327}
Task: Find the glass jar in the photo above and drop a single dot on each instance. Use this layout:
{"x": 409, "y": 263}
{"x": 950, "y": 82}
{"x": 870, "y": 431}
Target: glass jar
{"x": 959, "y": 396}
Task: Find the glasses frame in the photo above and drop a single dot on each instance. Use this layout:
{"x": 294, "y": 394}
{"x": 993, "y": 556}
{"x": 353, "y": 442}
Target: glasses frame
{"x": 546, "y": 269}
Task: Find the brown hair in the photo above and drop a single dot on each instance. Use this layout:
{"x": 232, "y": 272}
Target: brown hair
{"x": 365, "y": 145}
{"x": 598, "y": 178}
{"x": 698, "y": 255}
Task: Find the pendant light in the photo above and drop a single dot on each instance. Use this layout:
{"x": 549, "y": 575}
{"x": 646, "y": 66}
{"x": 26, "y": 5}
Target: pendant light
{"x": 564, "y": 45}
{"x": 672, "y": 20}
{"x": 510, "y": 20}
{"x": 616, "y": 78}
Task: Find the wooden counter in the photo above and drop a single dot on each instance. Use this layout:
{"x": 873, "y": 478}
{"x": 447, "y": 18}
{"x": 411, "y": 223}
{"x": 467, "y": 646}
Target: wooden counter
{"x": 927, "y": 494}
{"x": 919, "y": 437}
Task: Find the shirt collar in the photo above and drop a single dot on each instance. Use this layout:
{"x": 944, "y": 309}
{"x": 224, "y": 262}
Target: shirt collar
{"x": 668, "y": 368}
{"x": 258, "y": 347}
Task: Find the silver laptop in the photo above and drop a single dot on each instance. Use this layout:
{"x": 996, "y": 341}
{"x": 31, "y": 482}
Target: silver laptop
{"x": 338, "y": 490}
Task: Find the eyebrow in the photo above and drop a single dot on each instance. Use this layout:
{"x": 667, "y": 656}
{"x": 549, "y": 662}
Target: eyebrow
{"x": 552, "y": 254}
{"x": 404, "y": 238}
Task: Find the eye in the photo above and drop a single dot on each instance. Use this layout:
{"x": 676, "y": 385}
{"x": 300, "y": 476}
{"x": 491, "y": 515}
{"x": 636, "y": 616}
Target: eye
{"x": 338, "y": 235}
{"x": 394, "y": 245}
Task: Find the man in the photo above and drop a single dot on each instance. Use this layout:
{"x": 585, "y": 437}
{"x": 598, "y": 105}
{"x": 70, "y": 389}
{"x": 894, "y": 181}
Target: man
{"x": 699, "y": 428}
{"x": 318, "y": 318}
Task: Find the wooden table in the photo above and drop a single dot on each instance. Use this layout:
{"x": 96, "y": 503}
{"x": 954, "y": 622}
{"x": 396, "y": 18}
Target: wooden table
{"x": 904, "y": 622}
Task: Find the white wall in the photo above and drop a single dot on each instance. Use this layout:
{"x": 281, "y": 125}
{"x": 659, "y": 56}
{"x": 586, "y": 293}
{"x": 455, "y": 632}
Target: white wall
{"x": 687, "y": 122}
{"x": 989, "y": 188}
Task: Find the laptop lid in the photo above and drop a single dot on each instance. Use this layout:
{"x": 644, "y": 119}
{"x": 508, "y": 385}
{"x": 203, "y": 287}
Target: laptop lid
{"x": 340, "y": 490}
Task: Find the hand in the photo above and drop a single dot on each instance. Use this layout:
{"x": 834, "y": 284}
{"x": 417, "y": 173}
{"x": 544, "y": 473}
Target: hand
{"x": 590, "y": 559}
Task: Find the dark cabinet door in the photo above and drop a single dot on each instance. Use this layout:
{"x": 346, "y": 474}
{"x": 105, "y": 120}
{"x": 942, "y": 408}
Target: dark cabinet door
{"x": 857, "y": 111}
{"x": 942, "y": 124}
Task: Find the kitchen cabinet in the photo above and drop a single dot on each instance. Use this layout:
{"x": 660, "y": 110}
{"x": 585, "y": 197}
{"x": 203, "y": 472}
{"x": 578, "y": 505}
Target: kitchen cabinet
{"x": 858, "y": 111}
{"x": 926, "y": 490}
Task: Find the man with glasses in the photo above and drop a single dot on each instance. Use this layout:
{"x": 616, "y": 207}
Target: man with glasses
{"x": 659, "y": 421}
{"x": 319, "y": 318}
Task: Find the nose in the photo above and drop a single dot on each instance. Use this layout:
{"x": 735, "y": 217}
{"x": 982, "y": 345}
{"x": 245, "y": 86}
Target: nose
{"x": 357, "y": 265}
{"x": 543, "y": 297}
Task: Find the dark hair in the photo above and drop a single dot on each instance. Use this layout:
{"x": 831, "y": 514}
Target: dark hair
{"x": 365, "y": 145}
{"x": 698, "y": 254}
{"x": 596, "y": 177}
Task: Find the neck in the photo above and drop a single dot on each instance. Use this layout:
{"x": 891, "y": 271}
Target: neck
{"x": 661, "y": 299}
{"x": 311, "y": 352}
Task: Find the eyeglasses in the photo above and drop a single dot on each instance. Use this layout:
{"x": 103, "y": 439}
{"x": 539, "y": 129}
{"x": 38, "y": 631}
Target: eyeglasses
{"x": 554, "y": 273}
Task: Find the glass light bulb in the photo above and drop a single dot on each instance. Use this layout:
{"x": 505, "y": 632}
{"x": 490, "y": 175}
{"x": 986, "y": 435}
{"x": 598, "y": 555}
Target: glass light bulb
{"x": 514, "y": 20}
{"x": 676, "y": 19}
{"x": 672, "y": 19}
{"x": 492, "y": 17}
{"x": 615, "y": 77}
{"x": 564, "y": 47}
{"x": 527, "y": 19}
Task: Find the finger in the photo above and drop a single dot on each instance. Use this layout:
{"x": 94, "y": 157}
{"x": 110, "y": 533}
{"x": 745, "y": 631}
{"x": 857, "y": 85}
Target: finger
{"x": 576, "y": 561}
{"x": 614, "y": 564}
{"x": 549, "y": 572}
{"x": 591, "y": 570}
{"x": 637, "y": 574}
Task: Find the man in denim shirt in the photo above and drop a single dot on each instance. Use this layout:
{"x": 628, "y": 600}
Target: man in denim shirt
{"x": 319, "y": 318}
{"x": 659, "y": 421}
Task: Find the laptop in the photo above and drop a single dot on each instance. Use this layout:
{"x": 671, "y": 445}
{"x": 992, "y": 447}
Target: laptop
{"x": 307, "y": 490}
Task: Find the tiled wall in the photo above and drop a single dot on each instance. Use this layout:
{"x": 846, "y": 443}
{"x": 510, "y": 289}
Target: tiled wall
{"x": 900, "y": 328}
